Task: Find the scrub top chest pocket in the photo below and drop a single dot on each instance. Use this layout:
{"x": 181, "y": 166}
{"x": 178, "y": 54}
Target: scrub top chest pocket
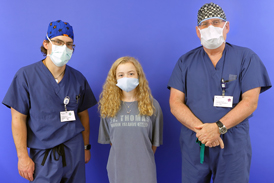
{"x": 75, "y": 101}
{"x": 70, "y": 105}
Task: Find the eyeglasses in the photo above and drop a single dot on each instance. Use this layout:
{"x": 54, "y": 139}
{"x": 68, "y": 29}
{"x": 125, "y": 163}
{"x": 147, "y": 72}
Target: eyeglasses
{"x": 58, "y": 42}
{"x": 215, "y": 23}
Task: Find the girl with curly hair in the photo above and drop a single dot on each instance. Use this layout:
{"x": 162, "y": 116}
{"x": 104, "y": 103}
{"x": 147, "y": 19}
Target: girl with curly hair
{"x": 131, "y": 122}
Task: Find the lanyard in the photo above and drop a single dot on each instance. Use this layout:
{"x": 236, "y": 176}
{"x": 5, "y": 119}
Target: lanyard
{"x": 202, "y": 151}
{"x": 223, "y": 82}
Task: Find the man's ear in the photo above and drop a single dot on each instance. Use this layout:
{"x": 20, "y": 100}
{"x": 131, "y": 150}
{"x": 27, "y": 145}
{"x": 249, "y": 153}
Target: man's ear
{"x": 198, "y": 32}
{"x": 227, "y": 27}
{"x": 45, "y": 44}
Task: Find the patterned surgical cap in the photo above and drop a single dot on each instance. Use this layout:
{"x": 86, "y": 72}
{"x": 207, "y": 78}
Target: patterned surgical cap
{"x": 59, "y": 28}
{"x": 210, "y": 10}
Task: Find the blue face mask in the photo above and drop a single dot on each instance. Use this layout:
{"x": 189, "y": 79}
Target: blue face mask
{"x": 60, "y": 55}
{"x": 127, "y": 84}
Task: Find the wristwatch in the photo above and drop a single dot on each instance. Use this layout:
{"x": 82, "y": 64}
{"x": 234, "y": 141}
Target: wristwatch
{"x": 222, "y": 128}
{"x": 87, "y": 147}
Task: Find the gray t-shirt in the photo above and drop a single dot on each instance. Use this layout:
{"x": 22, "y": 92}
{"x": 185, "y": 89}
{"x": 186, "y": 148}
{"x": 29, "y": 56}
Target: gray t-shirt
{"x": 131, "y": 159}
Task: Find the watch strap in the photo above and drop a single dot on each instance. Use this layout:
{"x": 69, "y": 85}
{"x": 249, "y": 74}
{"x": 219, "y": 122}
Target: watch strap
{"x": 87, "y": 147}
{"x": 219, "y": 124}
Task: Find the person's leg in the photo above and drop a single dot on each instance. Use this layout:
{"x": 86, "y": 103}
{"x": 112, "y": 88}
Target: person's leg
{"x": 51, "y": 171}
{"x": 74, "y": 172}
{"x": 233, "y": 163}
{"x": 192, "y": 170}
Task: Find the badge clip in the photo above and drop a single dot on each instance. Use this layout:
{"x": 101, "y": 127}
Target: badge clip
{"x": 66, "y": 102}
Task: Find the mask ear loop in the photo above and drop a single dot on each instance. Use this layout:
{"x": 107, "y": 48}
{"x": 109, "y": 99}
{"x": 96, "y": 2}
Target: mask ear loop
{"x": 49, "y": 41}
{"x": 223, "y": 31}
{"x": 224, "y": 24}
{"x": 48, "y": 38}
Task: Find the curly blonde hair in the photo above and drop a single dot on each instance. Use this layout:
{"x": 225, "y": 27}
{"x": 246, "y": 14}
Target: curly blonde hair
{"x": 111, "y": 96}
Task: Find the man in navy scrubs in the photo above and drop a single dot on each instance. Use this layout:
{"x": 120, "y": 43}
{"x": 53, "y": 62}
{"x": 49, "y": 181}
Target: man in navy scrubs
{"x": 214, "y": 89}
{"x": 49, "y": 102}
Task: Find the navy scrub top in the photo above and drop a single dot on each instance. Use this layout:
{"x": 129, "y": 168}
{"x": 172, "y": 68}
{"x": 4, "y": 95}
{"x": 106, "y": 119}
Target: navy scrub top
{"x": 35, "y": 93}
{"x": 195, "y": 76}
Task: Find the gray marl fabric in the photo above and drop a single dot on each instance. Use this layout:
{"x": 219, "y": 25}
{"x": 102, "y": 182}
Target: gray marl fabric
{"x": 131, "y": 159}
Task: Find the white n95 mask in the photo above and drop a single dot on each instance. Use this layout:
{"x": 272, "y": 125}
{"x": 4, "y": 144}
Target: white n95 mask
{"x": 60, "y": 55}
{"x": 212, "y": 37}
{"x": 127, "y": 84}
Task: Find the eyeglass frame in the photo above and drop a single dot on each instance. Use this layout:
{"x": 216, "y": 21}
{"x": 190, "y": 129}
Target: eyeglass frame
{"x": 211, "y": 23}
{"x": 61, "y": 43}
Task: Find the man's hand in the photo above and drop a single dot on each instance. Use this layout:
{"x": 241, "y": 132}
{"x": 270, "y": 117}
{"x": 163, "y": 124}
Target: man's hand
{"x": 218, "y": 142}
{"x": 87, "y": 156}
{"x": 19, "y": 132}
{"x": 209, "y": 135}
{"x": 26, "y": 168}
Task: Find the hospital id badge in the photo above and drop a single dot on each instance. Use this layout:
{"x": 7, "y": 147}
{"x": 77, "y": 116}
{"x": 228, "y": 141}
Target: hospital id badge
{"x": 223, "y": 101}
{"x": 67, "y": 116}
